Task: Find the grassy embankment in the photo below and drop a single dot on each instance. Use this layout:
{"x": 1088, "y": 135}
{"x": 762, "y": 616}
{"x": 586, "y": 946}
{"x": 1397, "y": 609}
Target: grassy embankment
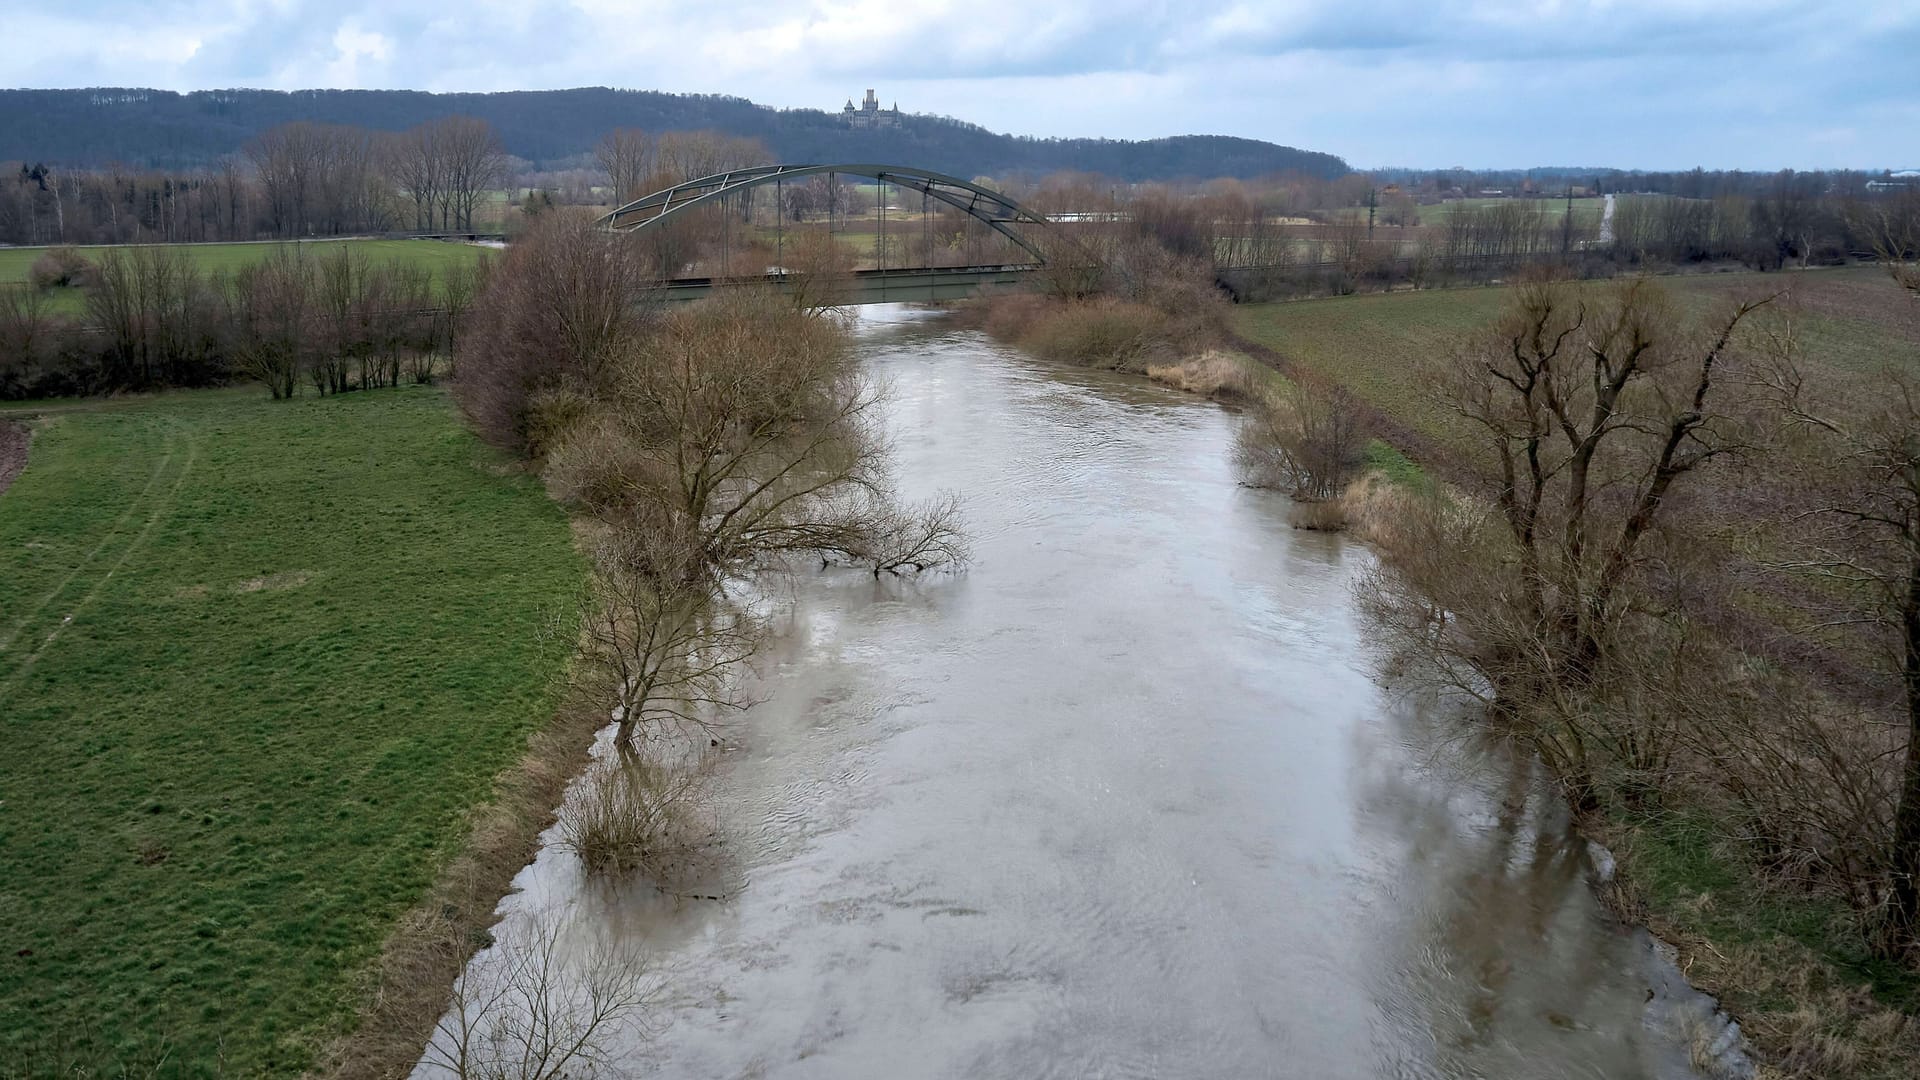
{"x": 228, "y": 258}
{"x": 260, "y": 663}
{"x": 1777, "y": 956}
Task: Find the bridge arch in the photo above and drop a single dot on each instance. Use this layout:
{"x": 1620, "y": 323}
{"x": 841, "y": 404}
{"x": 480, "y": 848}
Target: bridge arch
{"x": 997, "y": 211}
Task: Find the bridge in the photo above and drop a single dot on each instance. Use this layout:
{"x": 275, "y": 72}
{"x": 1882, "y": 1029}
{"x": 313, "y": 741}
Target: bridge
{"x": 1005, "y": 253}
{"x": 1003, "y": 244}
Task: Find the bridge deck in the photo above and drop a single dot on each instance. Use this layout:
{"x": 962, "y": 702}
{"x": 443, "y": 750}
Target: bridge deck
{"x": 891, "y": 286}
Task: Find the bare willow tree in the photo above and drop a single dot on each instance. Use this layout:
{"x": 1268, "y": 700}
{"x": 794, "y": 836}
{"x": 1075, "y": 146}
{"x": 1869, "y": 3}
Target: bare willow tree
{"x": 671, "y": 647}
{"x": 1862, "y": 537}
{"x": 1591, "y": 410}
{"x": 748, "y": 424}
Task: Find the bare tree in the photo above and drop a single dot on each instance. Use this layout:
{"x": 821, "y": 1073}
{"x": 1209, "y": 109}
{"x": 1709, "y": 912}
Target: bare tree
{"x": 1864, "y": 539}
{"x": 28, "y": 335}
{"x": 633, "y": 813}
{"x": 818, "y": 269}
{"x": 544, "y": 1003}
{"x": 746, "y": 423}
{"x": 413, "y": 164}
{"x": 930, "y": 535}
{"x": 563, "y": 304}
{"x": 672, "y": 648}
{"x": 286, "y": 161}
{"x": 627, "y": 155}
{"x": 1306, "y": 440}
{"x": 270, "y": 307}
{"x": 1589, "y": 411}
{"x": 472, "y": 163}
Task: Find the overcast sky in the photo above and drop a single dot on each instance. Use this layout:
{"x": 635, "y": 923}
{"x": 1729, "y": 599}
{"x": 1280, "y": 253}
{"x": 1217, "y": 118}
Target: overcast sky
{"x": 1632, "y": 83}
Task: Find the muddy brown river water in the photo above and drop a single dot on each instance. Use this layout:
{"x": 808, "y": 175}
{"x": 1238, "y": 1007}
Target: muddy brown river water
{"x": 1122, "y": 800}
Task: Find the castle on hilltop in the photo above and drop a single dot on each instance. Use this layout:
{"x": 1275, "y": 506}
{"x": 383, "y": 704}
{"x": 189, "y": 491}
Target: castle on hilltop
{"x": 870, "y": 114}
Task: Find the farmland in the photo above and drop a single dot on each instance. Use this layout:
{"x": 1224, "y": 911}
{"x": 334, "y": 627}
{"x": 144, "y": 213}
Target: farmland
{"x": 259, "y": 662}
{"x": 1377, "y": 344}
{"x": 433, "y": 255}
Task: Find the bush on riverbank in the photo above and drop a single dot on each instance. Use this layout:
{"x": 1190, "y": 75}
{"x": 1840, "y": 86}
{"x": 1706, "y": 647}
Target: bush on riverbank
{"x": 1216, "y": 373}
{"x": 1124, "y": 304}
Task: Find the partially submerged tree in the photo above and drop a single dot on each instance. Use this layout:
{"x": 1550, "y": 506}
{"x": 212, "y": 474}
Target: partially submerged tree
{"x": 747, "y": 425}
{"x": 671, "y": 647}
{"x": 1306, "y": 440}
{"x": 550, "y": 1000}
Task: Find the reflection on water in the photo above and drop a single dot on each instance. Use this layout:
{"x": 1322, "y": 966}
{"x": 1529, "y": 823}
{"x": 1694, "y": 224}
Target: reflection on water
{"x": 1120, "y": 801}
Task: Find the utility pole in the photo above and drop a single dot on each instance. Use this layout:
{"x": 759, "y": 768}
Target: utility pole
{"x": 1373, "y": 200}
{"x": 1566, "y": 229}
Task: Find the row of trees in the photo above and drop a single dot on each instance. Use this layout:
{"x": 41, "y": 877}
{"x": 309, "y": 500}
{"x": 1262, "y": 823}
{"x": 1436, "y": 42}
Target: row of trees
{"x": 306, "y": 179}
{"x": 1689, "y": 183}
{"x": 296, "y": 180}
{"x": 152, "y": 318}
{"x": 708, "y": 444}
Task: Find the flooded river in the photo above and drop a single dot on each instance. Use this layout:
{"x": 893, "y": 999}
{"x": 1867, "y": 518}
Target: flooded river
{"x": 1122, "y": 800}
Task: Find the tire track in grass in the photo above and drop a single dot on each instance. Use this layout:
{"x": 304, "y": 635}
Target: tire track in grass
{"x": 166, "y": 458}
{"x": 154, "y": 518}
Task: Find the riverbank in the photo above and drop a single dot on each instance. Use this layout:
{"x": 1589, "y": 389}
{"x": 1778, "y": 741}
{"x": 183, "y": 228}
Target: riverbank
{"x": 1786, "y": 958}
{"x": 262, "y": 661}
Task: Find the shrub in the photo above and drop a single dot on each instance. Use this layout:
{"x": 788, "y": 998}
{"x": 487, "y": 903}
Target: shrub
{"x": 1306, "y": 440}
{"x": 1214, "y": 374}
{"x": 630, "y": 814}
{"x": 561, "y": 305}
{"x": 60, "y": 268}
{"x": 1103, "y": 333}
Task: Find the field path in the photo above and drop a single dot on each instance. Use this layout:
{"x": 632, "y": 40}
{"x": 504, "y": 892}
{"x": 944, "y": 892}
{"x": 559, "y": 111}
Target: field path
{"x": 153, "y": 481}
{"x": 155, "y": 508}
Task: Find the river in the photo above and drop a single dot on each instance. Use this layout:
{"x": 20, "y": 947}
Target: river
{"x": 1124, "y": 799}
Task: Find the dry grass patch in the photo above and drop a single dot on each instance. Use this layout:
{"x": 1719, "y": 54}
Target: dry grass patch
{"x": 1215, "y": 373}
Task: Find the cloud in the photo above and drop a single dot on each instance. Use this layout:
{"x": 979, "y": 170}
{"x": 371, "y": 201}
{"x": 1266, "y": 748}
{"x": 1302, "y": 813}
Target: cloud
{"x": 1657, "y": 83}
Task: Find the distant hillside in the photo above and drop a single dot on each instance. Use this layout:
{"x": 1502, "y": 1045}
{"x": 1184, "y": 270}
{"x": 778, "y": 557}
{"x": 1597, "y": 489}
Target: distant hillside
{"x": 165, "y": 129}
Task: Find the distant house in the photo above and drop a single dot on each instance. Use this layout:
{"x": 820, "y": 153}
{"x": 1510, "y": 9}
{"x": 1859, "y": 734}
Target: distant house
{"x": 870, "y": 114}
{"x": 1492, "y": 193}
{"x": 1899, "y": 181}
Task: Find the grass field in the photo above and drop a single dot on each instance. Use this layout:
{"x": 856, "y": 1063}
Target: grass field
{"x": 1375, "y": 344}
{"x": 257, "y": 662}
{"x": 434, "y": 255}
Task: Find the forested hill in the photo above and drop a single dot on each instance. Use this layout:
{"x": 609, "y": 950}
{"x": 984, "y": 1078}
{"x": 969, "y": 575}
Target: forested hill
{"x": 159, "y": 128}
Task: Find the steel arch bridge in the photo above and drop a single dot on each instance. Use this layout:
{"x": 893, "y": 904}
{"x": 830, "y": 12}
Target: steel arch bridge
{"x": 997, "y": 211}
